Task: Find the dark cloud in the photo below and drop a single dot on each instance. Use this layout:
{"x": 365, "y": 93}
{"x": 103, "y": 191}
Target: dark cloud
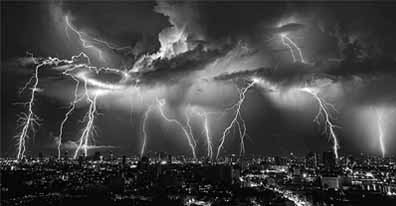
{"x": 174, "y": 70}
{"x": 350, "y": 46}
{"x": 368, "y": 67}
{"x": 123, "y": 24}
{"x": 370, "y": 91}
{"x": 236, "y": 19}
{"x": 288, "y": 75}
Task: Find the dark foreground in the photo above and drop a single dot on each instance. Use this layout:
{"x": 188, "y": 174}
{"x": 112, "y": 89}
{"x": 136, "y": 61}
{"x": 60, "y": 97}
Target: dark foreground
{"x": 163, "y": 182}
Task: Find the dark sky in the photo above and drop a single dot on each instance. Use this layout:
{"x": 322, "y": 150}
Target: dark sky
{"x": 351, "y": 44}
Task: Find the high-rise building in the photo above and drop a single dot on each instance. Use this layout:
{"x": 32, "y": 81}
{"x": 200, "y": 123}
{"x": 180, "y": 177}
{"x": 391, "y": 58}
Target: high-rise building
{"x": 111, "y": 156}
{"x": 144, "y": 162}
{"x": 330, "y": 182}
{"x": 280, "y": 160}
{"x": 123, "y": 160}
{"x": 311, "y": 160}
{"x": 96, "y": 156}
{"x": 218, "y": 173}
{"x": 40, "y": 156}
{"x": 169, "y": 159}
{"x": 329, "y": 160}
{"x": 80, "y": 160}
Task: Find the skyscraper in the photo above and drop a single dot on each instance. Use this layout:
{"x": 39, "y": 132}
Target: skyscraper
{"x": 329, "y": 160}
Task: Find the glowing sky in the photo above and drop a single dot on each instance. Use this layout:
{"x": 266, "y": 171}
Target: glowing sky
{"x": 175, "y": 72}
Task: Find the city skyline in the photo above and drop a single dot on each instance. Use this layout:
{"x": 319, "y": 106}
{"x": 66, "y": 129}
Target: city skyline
{"x": 198, "y": 103}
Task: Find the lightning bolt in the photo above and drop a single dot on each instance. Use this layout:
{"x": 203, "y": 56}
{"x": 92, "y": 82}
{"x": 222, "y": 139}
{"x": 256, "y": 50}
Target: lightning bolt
{"x": 205, "y": 118}
{"x": 161, "y": 103}
{"x": 289, "y": 43}
{"x": 288, "y": 46}
{"x": 89, "y": 128}
{"x": 28, "y": 119}
{"x": 190, "y": 130}
{"x": 237, "y": 115}
{"x": 242, "y": 134}
{"x": 81, "y": 35}
{"x": 207, "y": 135}
{"x": 380, "y": 115}
{"x": 85, "y": 43}
{"x": 29, "y": 82}
{"x": 71, "y": 109}
{"x": 146, "y": 115}
{"x": 112, "y": 47}
{"x": 324, "y": 108}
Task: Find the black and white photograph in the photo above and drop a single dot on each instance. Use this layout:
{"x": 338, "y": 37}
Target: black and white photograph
{"x": 198, "y": 103}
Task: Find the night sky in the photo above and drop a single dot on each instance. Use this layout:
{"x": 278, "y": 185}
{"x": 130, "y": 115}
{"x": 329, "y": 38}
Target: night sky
{"x": 199, "y": 54}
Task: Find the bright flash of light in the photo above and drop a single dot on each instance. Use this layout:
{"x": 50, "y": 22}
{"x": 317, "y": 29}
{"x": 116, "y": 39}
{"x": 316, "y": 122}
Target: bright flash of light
{"x": 290, "y": 44}
{"x": 237, "y": 115}
{"x": 204, "y": 115}
{"x": 324, "y": 110}
{"x": 208, "y": 138}
{"x": 190, "y": 130}
{"x": 161, "y": 103}
{"x": 85, "y": 43}
{"x": 96, "y": 83}
{"x": 81, "y": 35}
{"x": 89, "y": 128}
{"x": 71, "y": 109}
{"x": 380, "y": 115}
{"x": 283, "y": 37}
{"x": 28, "y": 119}
{"x": 108, "y": 45}
{"x": 145, "y": 117}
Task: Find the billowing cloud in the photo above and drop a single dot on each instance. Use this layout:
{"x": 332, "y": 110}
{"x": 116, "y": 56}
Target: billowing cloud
{"x": 198, "y": 53}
